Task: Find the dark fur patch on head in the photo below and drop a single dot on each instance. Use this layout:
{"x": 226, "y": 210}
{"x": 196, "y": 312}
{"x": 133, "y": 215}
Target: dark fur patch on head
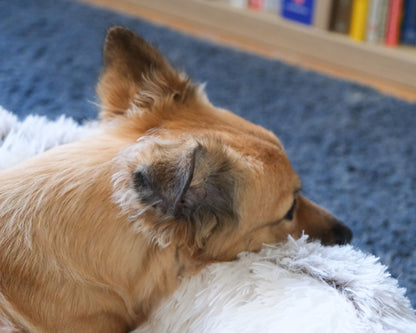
{"x": 198, "y": 188}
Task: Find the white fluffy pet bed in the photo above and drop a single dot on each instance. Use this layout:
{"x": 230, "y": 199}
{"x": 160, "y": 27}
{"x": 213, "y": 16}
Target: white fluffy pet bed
{"x": 294, "y": 287}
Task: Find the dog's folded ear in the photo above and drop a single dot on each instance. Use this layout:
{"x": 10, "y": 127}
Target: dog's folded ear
{"x": 136, "y": 76}
{"x": 164, "y": 184}
{"x": 192, "y": 195}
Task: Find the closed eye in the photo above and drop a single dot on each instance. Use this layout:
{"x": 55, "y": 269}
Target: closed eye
{"x": 291, "y": 211}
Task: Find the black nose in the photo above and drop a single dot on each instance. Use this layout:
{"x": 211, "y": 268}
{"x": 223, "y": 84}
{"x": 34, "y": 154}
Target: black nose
{"x": 343, "y": 234}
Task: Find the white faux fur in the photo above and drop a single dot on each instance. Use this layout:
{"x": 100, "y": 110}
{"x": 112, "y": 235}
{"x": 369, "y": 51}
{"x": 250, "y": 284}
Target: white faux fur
{"x": 296, "y": 286}
{"x": 291, "y": 287}
{"x": 20, "y": 140}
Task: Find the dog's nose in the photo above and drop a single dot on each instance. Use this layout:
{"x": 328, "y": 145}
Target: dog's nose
{"x": 343, "y": 234}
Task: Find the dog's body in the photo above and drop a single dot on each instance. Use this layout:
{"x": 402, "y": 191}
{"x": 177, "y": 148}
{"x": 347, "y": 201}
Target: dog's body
{"x": 94, "y": 234}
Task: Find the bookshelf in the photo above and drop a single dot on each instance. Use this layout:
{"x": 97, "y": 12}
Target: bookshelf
{"x": 295, "y": 43}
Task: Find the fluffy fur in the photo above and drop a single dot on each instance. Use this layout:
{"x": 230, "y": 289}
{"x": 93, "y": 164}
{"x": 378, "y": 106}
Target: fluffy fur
{"x": 21, "y": 140}
{"x": 262, "y": 291}
{"x": 289, "y": 287}
{"x": 97, "y": 232}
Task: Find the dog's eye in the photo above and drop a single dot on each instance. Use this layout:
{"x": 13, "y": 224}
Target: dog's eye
{"x": 289, "y": 214}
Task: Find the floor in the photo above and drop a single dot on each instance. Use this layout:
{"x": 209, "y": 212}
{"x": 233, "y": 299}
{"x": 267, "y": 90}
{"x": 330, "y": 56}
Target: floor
{"x": 188, "y": 27}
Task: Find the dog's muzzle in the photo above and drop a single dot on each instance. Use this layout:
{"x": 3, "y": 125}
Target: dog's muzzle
{"x": 342, "y": 234}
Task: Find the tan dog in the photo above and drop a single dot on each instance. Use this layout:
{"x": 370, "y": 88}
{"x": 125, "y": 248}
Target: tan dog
{"x": 94, "y": 234}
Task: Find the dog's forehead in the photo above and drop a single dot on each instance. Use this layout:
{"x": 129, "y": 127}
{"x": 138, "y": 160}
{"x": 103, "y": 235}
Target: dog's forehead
{"x": 228, "y": 127}
{"x": 246, "y": 129}
{"x": 181, "y": 127}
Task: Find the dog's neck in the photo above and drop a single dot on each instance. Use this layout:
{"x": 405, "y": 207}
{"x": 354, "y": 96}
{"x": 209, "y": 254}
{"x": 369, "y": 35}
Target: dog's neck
{"x": 114, "y": 281}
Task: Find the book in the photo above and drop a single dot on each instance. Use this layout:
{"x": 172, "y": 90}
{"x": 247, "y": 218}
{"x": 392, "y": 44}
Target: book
{"x": 238, "y": 3}
{"x": 408, "y": 34}
{"x": 341, "y": 16}
{"x": 298, "y": 10}
{"x": 272, "y": 6}
{"x": 381, "y": 31}
{"x": 322, "y": 14}
{"x": 374, "y": 20}
{"x": 256, "y": 4}
{"x": 359, "y": 19}
{"x": 393, "y": 22}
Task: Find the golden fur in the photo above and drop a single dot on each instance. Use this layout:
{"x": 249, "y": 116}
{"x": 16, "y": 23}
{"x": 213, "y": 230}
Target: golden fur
{"x": 95, "y": 233}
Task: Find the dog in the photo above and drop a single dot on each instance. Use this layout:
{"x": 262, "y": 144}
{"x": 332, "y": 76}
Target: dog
{"x": 94, "y": 234}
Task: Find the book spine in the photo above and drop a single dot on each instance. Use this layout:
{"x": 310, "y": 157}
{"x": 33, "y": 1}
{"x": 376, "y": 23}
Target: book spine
{"x": 393, "y": 22}
{"x": 272, "y": 6}
{"x": 381, "y": 31}
{"x": 256, "y": 4}
{"x": 322, "y": 14}
{"x": 341, "y": 16}
{"x": 374, "y": 19}
{"x": 238, "y": 3}
{"x": 409, "y": 23}
{"x": 359, "y": 19}
{"x": 298, "y": 10}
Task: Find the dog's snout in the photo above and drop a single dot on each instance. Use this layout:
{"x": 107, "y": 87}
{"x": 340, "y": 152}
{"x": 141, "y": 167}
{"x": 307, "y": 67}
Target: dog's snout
{"x": 343, "y": 234}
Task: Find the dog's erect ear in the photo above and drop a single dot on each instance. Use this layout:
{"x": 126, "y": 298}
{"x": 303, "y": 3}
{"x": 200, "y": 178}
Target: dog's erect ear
{"x": 192, "y": 195}
{"x": 136, "y": 76}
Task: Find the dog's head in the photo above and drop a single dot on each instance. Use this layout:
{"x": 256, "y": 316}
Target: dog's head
{"x": 197, "y": 175}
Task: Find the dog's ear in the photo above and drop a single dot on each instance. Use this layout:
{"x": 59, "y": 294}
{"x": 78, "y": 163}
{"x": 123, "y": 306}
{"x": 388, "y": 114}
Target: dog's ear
{"x": 136, "y": 76}
{"x": 192, "y": 195}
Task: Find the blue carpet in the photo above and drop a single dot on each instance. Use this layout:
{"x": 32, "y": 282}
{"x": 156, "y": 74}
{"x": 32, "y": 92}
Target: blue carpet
{"x": 354, "y": 148}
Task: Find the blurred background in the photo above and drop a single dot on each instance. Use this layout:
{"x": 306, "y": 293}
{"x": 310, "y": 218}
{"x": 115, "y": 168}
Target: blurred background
{"x": 369, "y": 41}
